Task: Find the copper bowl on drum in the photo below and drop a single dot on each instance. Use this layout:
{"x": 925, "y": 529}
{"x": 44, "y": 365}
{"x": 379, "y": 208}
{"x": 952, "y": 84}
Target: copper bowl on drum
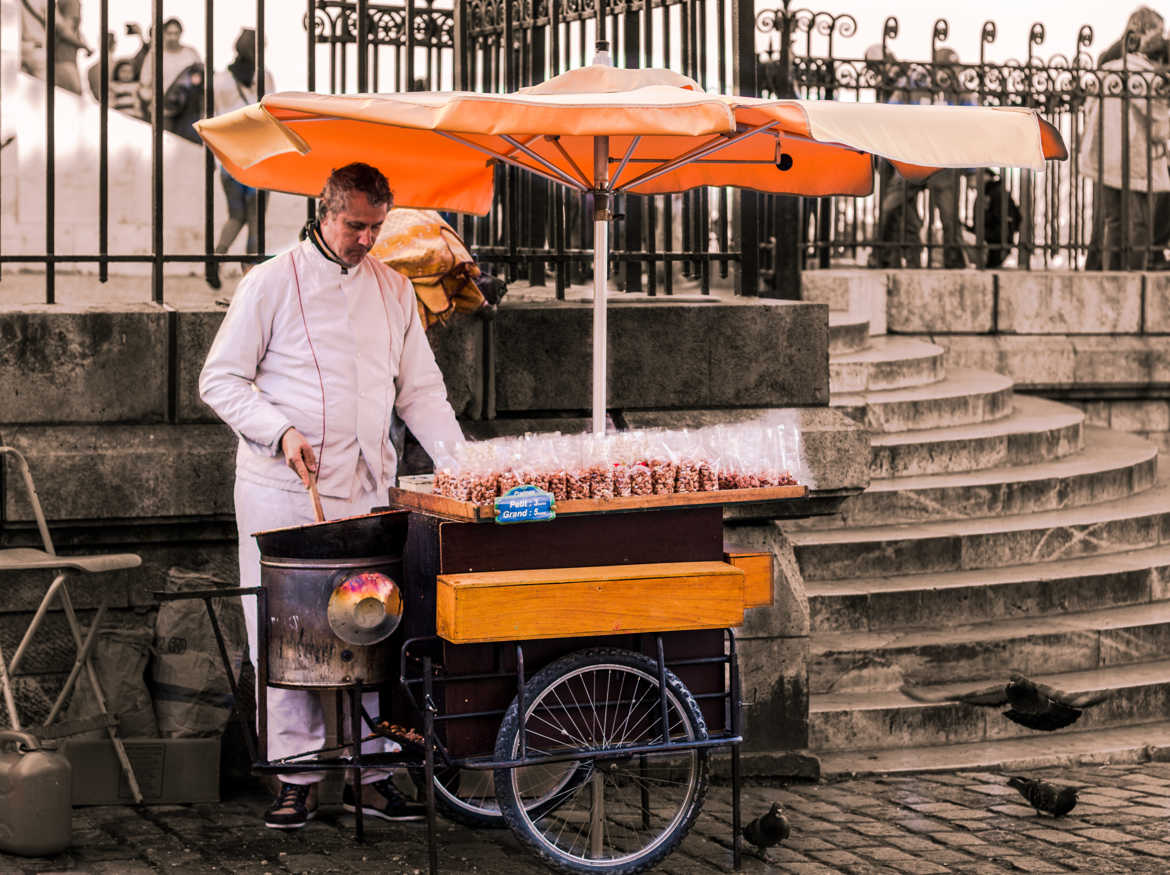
{"x": 334, "y": 599}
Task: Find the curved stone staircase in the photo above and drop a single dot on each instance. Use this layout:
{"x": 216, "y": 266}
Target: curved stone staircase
{"x": 999, "y": 532}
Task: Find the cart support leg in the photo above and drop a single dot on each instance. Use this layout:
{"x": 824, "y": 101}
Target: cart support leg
{"x": 429, "y": 764}
{"x": 736, "y": 837}
{"x": 597, "y": 814}
{"x": 644, "y": 778}
{"x": 355, "y": 734}
{"x": 736, "y": 730}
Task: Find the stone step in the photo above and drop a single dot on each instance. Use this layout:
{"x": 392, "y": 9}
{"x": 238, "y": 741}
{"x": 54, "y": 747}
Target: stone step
{"x": 1011, "y": 592}
{"x": 855, "y": 721}
{"x": 1131, "y": 523}
{"x": 1123, "y": 744}
{"x": 1062, "y": 643}
{"x": 847, "y": 333}
{"x": 887, "y": 363}
{"x": 1113, "y": 465}
{"x": 1038, "y": 430}
{"x": 964, "y": 397}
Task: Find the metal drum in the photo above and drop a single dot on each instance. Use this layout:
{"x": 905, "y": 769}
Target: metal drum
{"x": 334, "y": 600}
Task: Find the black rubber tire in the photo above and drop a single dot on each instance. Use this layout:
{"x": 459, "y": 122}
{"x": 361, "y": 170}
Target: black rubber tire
{"x": 563, "y": 671}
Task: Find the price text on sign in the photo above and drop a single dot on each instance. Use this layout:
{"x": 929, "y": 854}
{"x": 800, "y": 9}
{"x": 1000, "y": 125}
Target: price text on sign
{"x": 525, "y": 504}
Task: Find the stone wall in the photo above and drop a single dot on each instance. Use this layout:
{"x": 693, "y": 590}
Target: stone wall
{"x": 105, "y": 406}
{"x": 1098, "y": 340}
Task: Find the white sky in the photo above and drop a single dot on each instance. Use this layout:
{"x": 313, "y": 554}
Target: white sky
{"x": 1013, "y": 18}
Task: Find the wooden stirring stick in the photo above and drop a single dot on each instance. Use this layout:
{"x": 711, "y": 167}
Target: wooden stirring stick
{"x": 317, "y": 509}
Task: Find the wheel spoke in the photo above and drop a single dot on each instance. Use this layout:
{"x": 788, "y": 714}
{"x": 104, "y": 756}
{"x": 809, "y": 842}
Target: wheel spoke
{"x": 622, "y": 810}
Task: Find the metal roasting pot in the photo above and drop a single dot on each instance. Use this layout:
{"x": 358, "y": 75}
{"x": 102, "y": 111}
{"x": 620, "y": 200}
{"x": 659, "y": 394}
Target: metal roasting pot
{"x": 334, "y": 599}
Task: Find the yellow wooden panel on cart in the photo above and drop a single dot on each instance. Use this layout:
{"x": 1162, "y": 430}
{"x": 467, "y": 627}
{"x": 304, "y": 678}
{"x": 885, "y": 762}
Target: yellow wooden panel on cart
{"x": 757, "y": 580}
{"x": 596, "y": 600}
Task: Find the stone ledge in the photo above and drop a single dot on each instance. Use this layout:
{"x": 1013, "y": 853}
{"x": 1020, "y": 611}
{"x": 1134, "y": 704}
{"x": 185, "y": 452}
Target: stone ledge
{"x": 747, "y": 352}
{"x": 1066, "y": 302}
{"x": 941, "y": 300}
{"x": 128, "y": 471}
{"x": 63, "y": 364}
{"x": 1058, "y": 361}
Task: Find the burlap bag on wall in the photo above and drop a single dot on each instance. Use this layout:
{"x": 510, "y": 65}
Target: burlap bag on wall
{"x": 119, "y": 656}
{"x": 192, "y": 696}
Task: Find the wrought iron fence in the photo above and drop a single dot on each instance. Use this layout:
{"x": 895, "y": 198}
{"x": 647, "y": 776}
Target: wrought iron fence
{"x": 660, "y": 244}
{"x": 393, "y": 57}
{"x": 665, "y": 244}
{"x": 1107, "y": 206}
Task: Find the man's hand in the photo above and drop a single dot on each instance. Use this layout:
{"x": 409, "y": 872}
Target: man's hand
{"x": 299, "y": 455}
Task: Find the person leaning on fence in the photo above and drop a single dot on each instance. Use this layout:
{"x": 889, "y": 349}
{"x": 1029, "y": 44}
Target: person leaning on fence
{"x": 1142, "y": 20}
{"x": 320, "y": 355}
{"x": 1126, "y": 184}
{"x": 234, "y": 88}
{"x": 899, "y": 227}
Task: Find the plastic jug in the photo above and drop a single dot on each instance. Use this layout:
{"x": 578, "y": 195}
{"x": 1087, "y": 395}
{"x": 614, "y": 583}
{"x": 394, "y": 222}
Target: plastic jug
{"x": 36, "y": 811}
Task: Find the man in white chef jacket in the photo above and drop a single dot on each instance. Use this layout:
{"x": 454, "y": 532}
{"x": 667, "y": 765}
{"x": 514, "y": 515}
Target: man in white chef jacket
{"x": 320, "y": 349}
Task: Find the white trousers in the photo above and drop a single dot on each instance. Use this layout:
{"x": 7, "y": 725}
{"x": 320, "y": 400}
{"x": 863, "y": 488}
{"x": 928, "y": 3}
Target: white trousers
{"x": 296, "y": 718}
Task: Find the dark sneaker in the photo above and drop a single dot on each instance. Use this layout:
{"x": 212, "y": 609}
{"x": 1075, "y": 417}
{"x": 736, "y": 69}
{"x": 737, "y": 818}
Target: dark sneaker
{"x": 294, "y": 806}
{"x": 211, "y": 273}
{"x": 382, "y": 799}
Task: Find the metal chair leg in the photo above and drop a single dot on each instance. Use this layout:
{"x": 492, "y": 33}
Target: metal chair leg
{"x": 38, "y": 617}
{"x": 100, "y": 698}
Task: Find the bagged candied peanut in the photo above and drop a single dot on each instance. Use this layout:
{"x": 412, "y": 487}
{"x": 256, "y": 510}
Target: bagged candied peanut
{"x": 600, "y": 468}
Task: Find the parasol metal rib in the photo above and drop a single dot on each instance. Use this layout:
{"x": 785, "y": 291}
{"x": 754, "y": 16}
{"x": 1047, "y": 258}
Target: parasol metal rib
{"x": 625, "y": 160}
{"x": 721, "y": 142}
{"x": 556, "y": 141}
{"x": 544, "y": 162}
{"x": 499, "y": 156}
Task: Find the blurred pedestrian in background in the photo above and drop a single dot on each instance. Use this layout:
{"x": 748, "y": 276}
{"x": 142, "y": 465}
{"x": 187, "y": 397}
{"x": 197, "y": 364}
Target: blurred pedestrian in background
{"x": 233, "y": 88}
{"x": 177, "y": 61}
{"x": 1128, "y": 180}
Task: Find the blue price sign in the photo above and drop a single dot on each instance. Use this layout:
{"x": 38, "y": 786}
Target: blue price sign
{"x": 525, "y": 504}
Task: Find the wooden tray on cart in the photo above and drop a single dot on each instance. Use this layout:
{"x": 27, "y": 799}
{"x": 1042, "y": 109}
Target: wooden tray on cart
{"x": 415, "y": 494}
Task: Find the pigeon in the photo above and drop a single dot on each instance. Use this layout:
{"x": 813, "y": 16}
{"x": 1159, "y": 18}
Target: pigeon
{"x": 1044, "y": 797}
{"x": 1032, "y": 704}
{"x": 770, "y": 828}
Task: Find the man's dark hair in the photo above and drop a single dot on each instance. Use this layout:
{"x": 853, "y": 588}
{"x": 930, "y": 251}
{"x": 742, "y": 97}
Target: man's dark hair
{"x": 351, "y": 179}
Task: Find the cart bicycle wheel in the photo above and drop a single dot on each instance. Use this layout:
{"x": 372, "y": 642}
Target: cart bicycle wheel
{"x": 468, "y": 796}
{"x": 633, "y": 809}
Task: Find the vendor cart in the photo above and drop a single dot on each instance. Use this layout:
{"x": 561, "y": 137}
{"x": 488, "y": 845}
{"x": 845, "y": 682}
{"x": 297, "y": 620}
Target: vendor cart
{"x": 568, "y": 678}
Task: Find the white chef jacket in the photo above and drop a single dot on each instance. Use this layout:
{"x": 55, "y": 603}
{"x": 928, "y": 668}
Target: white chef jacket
{"x": 335, "y": 354}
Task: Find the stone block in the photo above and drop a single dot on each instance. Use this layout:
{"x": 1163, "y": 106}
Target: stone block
{"x": 1111, "y": 361}
{"x": 458, "y": 349}
{"x": 1054, "y": 302}
{"x": 836, "y": 448}
{"x": 80, "y": 365}
{"x": 788, "y": 615}
{"x": 1139, "y": 416}
{"x": 196, "y": 331}
{"x": 1156, "y": 318}
{"x": 663, "y": 355}
{"x": 1036, "y": 360}
{"x": 941, "y": 300}
{"x": 861, "y": 293}
{"x": 127, "y": 471}
{"x": 774, "y": 675}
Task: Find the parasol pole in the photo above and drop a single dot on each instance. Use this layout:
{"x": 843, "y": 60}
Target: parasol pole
{"x": 601, "y": 217}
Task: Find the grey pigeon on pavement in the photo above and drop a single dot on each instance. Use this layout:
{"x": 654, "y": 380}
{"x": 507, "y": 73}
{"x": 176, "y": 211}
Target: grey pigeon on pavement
{"x": 1044, "y": 797}
{"x": 1032, "y": 704}
{"x": 770, "y": 828}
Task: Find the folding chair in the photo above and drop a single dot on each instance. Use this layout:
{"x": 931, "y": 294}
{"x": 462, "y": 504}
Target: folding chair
{"x": 31, "y": 559}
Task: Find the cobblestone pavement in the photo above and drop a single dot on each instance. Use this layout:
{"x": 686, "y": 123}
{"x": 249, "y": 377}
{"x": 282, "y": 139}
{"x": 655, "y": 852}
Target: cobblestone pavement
{"x": 960, "y": 822}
